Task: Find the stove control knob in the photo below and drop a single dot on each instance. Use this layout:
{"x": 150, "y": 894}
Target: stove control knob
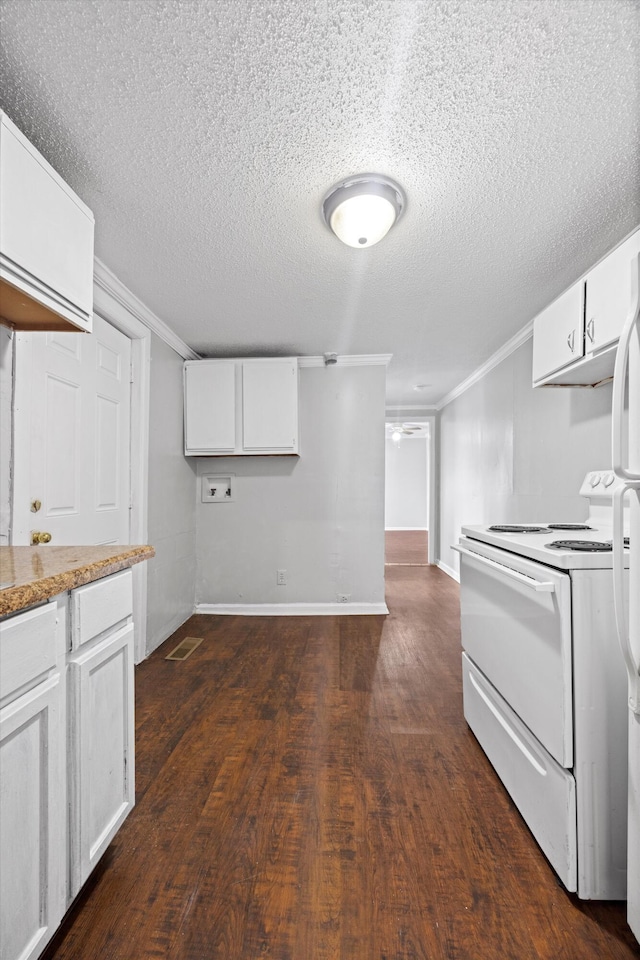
{"x": 608, "y": 479}
{"x": 594, "y": 479}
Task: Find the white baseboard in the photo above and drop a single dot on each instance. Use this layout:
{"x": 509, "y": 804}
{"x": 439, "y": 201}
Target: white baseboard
{"x": 422, "y": 529}
{"x": 293, "y": 609}
{"x": 450, "y": 572}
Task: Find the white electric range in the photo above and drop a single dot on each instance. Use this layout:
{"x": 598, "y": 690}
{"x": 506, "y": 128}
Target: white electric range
{"x": 544, "y": 684}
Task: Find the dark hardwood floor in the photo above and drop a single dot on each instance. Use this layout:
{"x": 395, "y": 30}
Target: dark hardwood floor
{"x": 307, "y": 789}
{"x": 405, "y": 546}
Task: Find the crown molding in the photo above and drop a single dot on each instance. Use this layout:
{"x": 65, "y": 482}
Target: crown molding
{"x": 355, "y": 360}
{"x": 419, "y": 408}
{"x": 107, "y": 283}
{"x": 505, "y": 351}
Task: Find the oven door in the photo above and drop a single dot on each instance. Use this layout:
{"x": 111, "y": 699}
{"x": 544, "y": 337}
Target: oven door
{"x": 516, "y": 628}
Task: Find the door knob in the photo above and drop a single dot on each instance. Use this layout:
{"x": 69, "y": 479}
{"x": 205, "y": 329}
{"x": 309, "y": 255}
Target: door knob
{"x": 39, "y": 537}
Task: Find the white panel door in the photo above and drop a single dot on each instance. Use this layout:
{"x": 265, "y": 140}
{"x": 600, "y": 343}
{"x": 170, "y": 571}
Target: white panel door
{"x": 73, "y": 435}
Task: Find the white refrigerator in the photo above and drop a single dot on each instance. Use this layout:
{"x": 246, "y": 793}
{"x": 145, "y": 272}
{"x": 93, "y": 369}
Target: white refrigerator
{"x": 626, "y": 465}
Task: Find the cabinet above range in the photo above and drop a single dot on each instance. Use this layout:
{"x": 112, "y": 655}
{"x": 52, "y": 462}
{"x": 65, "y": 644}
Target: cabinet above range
{"x": 46, "y": 242}
{"x": 575, "y": 337}
{"x": 241, "y": 407}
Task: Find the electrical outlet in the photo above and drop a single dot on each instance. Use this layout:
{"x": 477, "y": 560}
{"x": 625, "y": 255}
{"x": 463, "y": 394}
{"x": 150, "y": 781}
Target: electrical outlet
{"x": 344, "y": 597}
{"x": 281, "y": 578}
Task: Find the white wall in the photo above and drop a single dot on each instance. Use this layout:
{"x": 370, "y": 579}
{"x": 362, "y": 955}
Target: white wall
{"x": 509, "y": 453}
{"x": 6, "y": 443}
{"x": 405, "y": 493}
{"x": 171, "y": 517}
{"x": 320, "y": 517}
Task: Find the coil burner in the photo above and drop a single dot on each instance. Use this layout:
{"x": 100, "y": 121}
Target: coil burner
{"x": 569, "y": 526}
{"x": 517, "y": 528}
{"x": 586, "y": 546}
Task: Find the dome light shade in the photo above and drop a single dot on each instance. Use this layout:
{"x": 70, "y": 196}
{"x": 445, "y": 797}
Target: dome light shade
{"x": 362, "y": 210}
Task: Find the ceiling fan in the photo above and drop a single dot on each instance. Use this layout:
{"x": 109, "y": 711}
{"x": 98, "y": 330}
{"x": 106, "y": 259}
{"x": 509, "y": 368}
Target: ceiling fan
{"x": 397, "y": 430}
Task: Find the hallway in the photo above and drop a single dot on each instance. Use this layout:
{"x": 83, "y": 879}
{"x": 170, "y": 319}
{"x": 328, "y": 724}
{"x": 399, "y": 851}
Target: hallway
{"x": 307, "y": 789}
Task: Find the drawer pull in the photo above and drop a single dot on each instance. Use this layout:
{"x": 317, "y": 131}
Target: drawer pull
{"x": 540, "y": 586}
{"x": 503, "y": 723}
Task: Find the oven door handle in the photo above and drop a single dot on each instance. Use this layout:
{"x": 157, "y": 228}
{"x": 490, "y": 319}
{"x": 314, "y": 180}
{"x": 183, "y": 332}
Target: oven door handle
{"x": 540, "y": 586}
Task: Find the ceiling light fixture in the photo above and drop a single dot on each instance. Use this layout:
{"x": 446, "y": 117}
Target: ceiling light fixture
{"x": 362, "y": 209}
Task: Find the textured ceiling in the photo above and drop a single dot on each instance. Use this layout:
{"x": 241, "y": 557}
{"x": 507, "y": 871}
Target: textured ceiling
{"x": 204, "y": 135}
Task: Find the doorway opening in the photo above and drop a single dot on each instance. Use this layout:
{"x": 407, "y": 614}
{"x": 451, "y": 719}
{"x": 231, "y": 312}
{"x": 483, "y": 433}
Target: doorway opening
{"x": 409, "y": 483}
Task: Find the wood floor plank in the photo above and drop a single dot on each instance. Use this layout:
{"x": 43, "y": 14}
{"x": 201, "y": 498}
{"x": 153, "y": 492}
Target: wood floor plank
{"x": 308, "y": 789}
{"x": 406, "y": 546}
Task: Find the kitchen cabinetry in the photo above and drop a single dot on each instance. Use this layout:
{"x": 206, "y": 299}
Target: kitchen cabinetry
{"x": 558, "y": 333}
{"x": 46, "y": 242}
{"x": 101, "y": 720}
{"x": 575, "y": 337}
{"x": 609, "y": 295}
{"x": 32, "y": 779}
{"x": 241, "y": 407}
{"x": 66, "y": 752}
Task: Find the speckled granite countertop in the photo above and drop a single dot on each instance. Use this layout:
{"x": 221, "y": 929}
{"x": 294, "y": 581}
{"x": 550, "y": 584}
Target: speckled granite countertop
{"x": 31, "y": 575}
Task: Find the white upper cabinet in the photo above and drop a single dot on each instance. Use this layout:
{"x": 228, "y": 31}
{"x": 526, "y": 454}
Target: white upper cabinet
{"x": 558, "y": 333}
{"x": 575, "y": 338}
{"x": 270, "y": 406}
{"x": 609, "y": 295}
{"x": 209, "y": 407}
{"x": 241, "y": 407}
{"x": 46, "y": 242}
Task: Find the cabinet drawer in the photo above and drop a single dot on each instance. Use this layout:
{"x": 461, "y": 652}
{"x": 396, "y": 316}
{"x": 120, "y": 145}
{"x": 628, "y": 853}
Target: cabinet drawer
{"x": 27, "y": 647}
{"x": 544, "y": 793}
{"x": 99, "y": 606}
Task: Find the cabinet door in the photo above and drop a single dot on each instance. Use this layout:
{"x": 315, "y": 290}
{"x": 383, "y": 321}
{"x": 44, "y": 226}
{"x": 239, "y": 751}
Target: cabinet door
{"x": 270, "y": 406}
{"x": 609, "y": 294}
{"x": 558, "y": 333}
{"x": 32, "y": 820}
{"x": 46, "y": 232}
{"x": 209, "y": 406}
{"x": 101, "y": 759}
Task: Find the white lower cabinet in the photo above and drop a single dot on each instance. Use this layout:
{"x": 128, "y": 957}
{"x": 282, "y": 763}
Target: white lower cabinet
{"x": 32, "y": 820}
{"x": 101, "y": 762}
{"x": 66, "y": 753}
{"x": 33, "y": 817}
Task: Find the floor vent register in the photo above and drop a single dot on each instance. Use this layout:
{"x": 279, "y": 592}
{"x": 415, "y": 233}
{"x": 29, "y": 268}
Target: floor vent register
{"x": 185, "y": 648}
